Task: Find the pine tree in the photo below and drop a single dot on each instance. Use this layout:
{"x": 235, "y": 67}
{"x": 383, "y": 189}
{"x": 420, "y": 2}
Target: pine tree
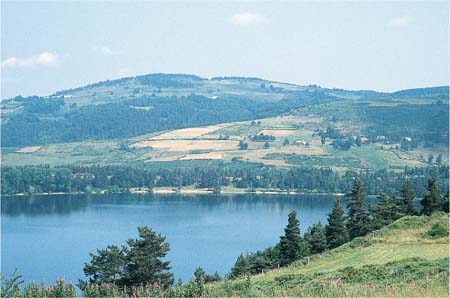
{"x": 445, "y": 202}
{"x": 292, "y": 245}
{"x": 241, "y": 267}
{"x": 145, "y": 259}
{"x": 384, "y": 212}
{"x": 107, "y": 266}
{"x": 316, "y": 238}
{"x": 357, "y": 219}
{"x": 336, "y": 230}
{"x": 407, "y": 195}
{"x": 138, "y": 263}
{"x": 431, "y": 199}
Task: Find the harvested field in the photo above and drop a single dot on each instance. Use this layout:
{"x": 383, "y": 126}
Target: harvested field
{"x": 277, "y": 132}
{"x": 259, "y": 154}
{"x": 189, "y": 133}
{"x": 186, "y": 145}
{"x": 29, "y": 149}
{"x": 210, "y": 155}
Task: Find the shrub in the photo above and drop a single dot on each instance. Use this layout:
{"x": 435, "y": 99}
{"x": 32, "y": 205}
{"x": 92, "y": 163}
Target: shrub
{"x": 437, "y": 230}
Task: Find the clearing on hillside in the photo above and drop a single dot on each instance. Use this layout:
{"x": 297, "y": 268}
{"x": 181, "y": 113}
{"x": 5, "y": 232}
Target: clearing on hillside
{"x": 186, "y": 145}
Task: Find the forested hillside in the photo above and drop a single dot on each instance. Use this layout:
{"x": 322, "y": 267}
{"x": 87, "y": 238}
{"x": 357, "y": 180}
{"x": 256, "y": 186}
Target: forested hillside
{"x": 134, "y": 106}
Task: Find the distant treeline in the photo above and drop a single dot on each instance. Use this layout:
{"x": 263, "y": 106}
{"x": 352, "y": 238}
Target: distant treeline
{"x": 117, "y": 120}
{"x": 38, "y": 179}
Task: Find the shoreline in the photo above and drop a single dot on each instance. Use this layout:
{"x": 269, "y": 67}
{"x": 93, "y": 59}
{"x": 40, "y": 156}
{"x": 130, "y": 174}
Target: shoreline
{"x": 183, "y": 191}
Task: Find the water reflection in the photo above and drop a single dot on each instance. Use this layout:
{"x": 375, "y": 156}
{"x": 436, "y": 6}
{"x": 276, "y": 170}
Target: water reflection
{"x": 67, "y": 204}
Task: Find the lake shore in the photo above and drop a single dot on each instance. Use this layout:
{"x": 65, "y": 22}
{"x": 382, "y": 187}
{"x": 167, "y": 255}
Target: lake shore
{"x": 189, "y": 191}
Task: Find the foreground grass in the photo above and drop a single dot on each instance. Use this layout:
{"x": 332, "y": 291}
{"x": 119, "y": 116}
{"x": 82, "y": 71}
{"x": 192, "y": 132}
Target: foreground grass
{"x": 399, "y": 260}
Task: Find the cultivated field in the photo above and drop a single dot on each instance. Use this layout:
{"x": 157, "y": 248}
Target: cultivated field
{"x": 221, "y": 142}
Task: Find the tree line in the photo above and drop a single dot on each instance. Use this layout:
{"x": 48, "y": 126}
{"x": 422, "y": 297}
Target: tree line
{"x": 86, "y": 179}
{"x": 42, "y": 121}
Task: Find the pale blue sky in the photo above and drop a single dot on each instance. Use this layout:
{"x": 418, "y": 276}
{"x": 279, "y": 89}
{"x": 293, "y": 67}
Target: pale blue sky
{"x": 49, "y": 46}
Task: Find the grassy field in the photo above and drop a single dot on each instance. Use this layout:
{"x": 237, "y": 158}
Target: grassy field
{"x": 220, "y": 142}
{"x": 399, "y": 260}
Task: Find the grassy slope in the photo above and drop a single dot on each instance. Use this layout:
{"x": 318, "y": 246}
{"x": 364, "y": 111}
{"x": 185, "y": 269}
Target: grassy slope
{"x": 396, "y": 261}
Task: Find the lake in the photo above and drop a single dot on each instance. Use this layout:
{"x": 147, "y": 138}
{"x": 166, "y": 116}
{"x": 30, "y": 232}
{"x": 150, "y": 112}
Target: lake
{"x": 49, "y": 237}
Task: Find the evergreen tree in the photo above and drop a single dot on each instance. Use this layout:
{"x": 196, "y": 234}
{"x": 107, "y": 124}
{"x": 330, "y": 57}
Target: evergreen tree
{"x": 241, "y": 267}
{"x": 384, "y": 212}
{"x": 445, "y": 202}
{"x": 286, "y": 142}
{"x": 243, "y": 145}
{"x": 336, "y": 230}
{"x": 266, "y": 145}
{"x": 357, "y": 219}
{"x": 107, "y": 266}
{"x": 407, "y": 195}
{"x": 316, "y": 238}
{"x": 292, "y": 245}
{"x": 145, "y": 259}
{"x": 431, "y": 199}
{"x": 199, "y": 274}
{"x": 138, "y": 263}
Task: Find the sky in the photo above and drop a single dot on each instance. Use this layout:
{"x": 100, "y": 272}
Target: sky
{"x": 383, "y": 46}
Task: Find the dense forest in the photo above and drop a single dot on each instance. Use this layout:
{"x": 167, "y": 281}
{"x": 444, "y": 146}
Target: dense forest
{"x": 38, "y": 179}
{"x": 118, "y": 120}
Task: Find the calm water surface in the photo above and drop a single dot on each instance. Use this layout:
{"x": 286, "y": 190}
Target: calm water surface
{"x": 46, "y": 237}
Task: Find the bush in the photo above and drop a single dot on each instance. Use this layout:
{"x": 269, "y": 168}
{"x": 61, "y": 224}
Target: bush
{"x": 437, "y": 230}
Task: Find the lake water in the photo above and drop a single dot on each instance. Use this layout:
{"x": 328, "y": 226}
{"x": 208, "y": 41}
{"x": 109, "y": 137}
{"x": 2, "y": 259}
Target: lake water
{"x": 47, "y": 237}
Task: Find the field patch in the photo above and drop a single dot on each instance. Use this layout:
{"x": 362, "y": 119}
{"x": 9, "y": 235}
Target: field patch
{"x": 277, "y": 132}
{"x": 210, "y": 155}
{"x": 186, "y": 145}
{"x": 29, "y": 149}
{"x": 189, "y": 133}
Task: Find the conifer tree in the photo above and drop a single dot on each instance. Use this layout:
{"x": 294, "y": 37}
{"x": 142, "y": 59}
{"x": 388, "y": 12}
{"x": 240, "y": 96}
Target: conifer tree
{"x": 357, "y": 219}
{"x": 292, "y": 245}
{"x": 407, "y": 195}
{"x": 145, "y": 259}
{"x": 336, "y": 230}
{"x": 445, "y": 202}
{"x": 140, "y": 262}
{"x": 316, "y": 238}
{"x": 384, "y": 212}
{"x": 241, "y": 267}
{"x": 431, "y": 199}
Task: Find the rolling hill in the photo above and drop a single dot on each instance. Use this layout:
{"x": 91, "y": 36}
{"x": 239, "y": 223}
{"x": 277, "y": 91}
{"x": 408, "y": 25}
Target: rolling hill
{"x": 185, "y": 119}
